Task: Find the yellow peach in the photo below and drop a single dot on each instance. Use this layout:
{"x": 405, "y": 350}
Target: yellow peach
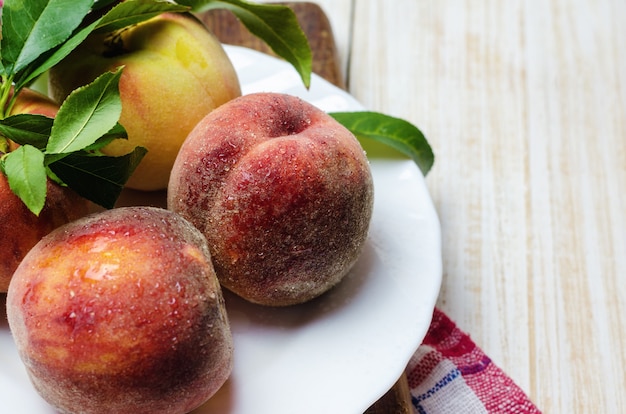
{"x": 175, "y": 72}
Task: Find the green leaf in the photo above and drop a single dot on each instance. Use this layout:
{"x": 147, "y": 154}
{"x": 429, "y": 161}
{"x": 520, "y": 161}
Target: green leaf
{"x": 53, "y": 177}
{"x": 86, "y": 114}
{"x": 30, "y": 28}
{"x": 136, "y": 11}
{"x": 27, "y": 129}
{"x": 98, "y": 178}
{"x": 394, "y": 132}
{"x": 275, "y": 24}
{"x": 117, "y": 132}
{"x": 122, "y": 15}
{"x": 26, "y": 175}
{"x": 47, "y": 60}
{"x": 101, "y": 4}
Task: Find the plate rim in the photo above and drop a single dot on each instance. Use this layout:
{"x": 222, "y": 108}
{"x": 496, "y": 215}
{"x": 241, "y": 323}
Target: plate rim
{"x": 436, "y": 277}
{"x": 429, "y": 305}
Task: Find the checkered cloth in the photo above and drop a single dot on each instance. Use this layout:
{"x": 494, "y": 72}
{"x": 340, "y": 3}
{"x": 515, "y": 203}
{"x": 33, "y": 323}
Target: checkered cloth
{"x": 450, "y": 374}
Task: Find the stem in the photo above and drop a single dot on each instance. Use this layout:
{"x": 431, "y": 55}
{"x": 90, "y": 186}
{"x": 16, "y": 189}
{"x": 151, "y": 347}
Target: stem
{"x": 7, "y": 100}
{"x": 4, "y": 95}
{"x": 10, "y": 104}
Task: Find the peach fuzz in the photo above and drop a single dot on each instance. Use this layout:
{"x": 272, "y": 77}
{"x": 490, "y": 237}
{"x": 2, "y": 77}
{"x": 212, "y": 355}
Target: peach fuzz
{"x": 175, "y": 72}
{"x": 282, "y": 192}
{"x": 121, "y": 311}
{"x": 32, "y": 102}
{"x": 21, "y": 229}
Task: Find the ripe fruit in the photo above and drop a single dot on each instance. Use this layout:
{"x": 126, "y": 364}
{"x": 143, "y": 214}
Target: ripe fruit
{"x": 175, "y": 72}
{"x": 32, "y": 102}
{"x": 282, "y": 192}
{"x": 121, "y": 311}
{"x": 21, "y": 229}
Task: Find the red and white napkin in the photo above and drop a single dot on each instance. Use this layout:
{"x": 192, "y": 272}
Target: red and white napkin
{"x": 450, "y": 374}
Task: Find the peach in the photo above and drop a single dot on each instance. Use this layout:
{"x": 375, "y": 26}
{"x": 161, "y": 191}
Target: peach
{"x": 121, "y": 312}
{"x": 32, "y": 102}
{"x": 21, "y": 229}
{"x": 282, "y": 192}
{"x": 175, "y": 72}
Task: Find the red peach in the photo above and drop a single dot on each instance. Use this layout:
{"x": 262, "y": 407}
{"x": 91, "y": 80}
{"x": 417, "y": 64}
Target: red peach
{"x": 121, "y": 311}
{"x": 282, "y": 192}
{"x": 20, "y": 228}
{"x": 32, "y": 102}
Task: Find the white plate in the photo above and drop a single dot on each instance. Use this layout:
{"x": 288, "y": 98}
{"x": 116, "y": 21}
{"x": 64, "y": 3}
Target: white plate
{"x": 343, "y": 351}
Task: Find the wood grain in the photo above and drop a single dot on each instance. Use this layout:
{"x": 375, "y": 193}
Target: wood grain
{"x": 524, "y": 103}
{"x": 314, "y": 23}
{"x": 318, "y": 30}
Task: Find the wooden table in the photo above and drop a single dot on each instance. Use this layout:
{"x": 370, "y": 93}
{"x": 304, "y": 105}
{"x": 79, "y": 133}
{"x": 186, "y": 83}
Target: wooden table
{"x": 524, "y": 103}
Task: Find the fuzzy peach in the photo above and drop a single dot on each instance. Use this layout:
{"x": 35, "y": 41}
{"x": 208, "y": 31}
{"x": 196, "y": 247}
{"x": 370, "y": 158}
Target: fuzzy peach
{"x": 121, "y": 312}
{"x": 175, "y": 72}
{"x": 282, "y": 192}
{"x": 21, "y": 229}
{"x": 32, "y": 102}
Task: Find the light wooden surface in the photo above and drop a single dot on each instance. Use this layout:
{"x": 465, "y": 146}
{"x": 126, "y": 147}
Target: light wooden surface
{"x": 524, "y": 103}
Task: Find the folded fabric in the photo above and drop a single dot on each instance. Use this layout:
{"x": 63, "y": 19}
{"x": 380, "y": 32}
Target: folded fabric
{"x": 450, "y": 374}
